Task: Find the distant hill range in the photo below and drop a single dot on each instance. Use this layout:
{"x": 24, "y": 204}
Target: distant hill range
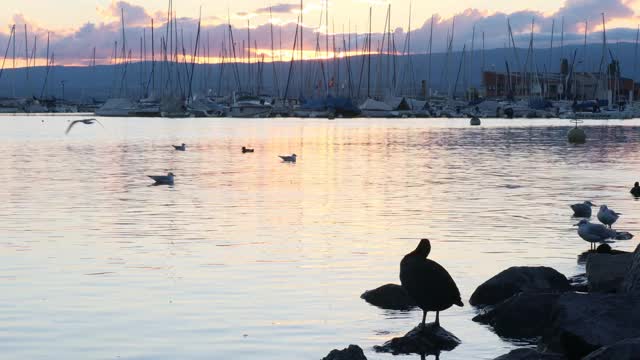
{"x": 447, "y": 72}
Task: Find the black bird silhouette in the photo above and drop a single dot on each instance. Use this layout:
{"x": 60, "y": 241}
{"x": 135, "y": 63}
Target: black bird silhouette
{"x": 246, "y": 150}
{"x": 427, "y": 282}
{"x": 182, "y": 147}
{"x": 635, "y": 191}
{"x": 84, "y": 121}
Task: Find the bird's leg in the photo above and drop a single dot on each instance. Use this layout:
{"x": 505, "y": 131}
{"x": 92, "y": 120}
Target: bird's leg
{"x": 438, "y": 318}
{"x": 424, "y": 317}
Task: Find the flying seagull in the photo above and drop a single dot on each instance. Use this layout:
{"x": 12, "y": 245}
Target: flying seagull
{"x": 84, "y": 121}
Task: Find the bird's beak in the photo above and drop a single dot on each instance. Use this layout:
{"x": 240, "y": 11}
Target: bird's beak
{"x": 576, "y": 224}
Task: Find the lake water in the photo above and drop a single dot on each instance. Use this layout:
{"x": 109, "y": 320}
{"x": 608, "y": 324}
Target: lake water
{"x": 250, "y": 258}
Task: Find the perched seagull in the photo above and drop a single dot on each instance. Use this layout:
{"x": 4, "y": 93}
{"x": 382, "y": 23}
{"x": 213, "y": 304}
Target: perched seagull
{"x": 163, "y": 180}
{"x": 246, "y": 150}
{"x": 182, "y": 147}
{"x": 597, "y": 233}
{"x": 582, "y": 209}
{"x": 607, "y": 216}
{"x": 84, "y": 121}
{"x": 289, "y": 159}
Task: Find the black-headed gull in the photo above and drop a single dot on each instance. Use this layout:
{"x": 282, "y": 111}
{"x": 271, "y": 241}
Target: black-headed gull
{"x": 607, "y": 216}
{"x": 597, "y": 233}
{"x": 582, "y": 209}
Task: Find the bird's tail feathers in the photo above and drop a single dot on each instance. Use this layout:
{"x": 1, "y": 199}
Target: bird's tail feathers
{"x": 624, "y": 235}
{"x": 459, "y": 303}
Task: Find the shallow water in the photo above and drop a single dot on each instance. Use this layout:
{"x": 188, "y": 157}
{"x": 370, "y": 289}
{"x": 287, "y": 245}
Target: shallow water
{"x": 250, "y": 258}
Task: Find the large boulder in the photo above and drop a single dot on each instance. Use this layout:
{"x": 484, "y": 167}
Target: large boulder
{"x": 530, "y": 354}
{"x": 518, "y": 279}
{"x": 605, "y": 272}
{"x": 628, "y": 349}
{"x": 353, "y": 352}
{"x": 582, "y": 323}
{"x": 389, "y": 296}
{"x": 524, "y": 315}
{"x": 428, "y": 340}
{"x": 631, "y": 282}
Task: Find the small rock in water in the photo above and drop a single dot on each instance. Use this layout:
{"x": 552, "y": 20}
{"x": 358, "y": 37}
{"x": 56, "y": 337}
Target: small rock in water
{"x": 428, "y": 340}
{"x": 518, "y": 279}
{"x": 524, "y": 315}
{"x": 389, "y": 296}
{"x": 627, "y": 349}
{"x": 353, "y": 352}
{"x": 530, "y": 354}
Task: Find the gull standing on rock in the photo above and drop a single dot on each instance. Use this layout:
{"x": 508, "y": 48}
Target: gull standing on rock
{"x": 607, "y": 216}
{"x": 427, "y": 282}
{"x": 582, "y": 209}
{"x": 597, "y": 233}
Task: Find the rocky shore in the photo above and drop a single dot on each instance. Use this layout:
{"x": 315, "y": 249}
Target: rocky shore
{"x": 589, "y": 316}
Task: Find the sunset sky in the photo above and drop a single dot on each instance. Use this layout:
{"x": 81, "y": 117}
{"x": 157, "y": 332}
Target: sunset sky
{"x": 79, "y": 25}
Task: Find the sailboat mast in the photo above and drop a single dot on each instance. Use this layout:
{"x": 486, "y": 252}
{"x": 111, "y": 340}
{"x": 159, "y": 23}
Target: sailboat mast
{"x": 635, "y": 57}
{"x": 369, "y": 56}
{"x": 430, "y": 58}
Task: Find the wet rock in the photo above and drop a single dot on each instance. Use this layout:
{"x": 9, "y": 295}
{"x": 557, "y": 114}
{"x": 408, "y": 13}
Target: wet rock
{"x": 631, "y": 282}
{"x": 428, "y": 340}
{"x": 579, "y": 283}
{"x": 605, "y": 272}
{"x": 530, "y": 354}
{"x": 602, "y": 249}
{"x": 389, "y": 296}
{"x": 582, "y": 323}
{"x": 518, "y": 279}
{"x": 628, "y": 349}
{"x": 524, "y": 315}
{"x": 353, "y": 352}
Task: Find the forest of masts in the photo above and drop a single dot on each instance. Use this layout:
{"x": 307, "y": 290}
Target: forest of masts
{"x": 166, "y": 66}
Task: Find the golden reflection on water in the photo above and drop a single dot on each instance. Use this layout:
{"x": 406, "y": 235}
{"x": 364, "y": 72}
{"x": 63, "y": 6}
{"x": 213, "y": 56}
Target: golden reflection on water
{"x": 244, "y": 244}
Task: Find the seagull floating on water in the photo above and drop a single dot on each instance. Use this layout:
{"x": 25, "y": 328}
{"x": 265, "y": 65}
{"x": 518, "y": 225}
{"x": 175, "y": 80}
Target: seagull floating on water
{"x": 163, "y": 179}
{"x": 84, "y": 121}
{"x": 182, "y": 147}
{"x": 582, "y": 209}
{"x": 607, "y": 216}
{"x": 597, "y": 233}
{"x": 246, "y": 150}
{"x": 290, "y": 159}
{"x": 427, "y": 282}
